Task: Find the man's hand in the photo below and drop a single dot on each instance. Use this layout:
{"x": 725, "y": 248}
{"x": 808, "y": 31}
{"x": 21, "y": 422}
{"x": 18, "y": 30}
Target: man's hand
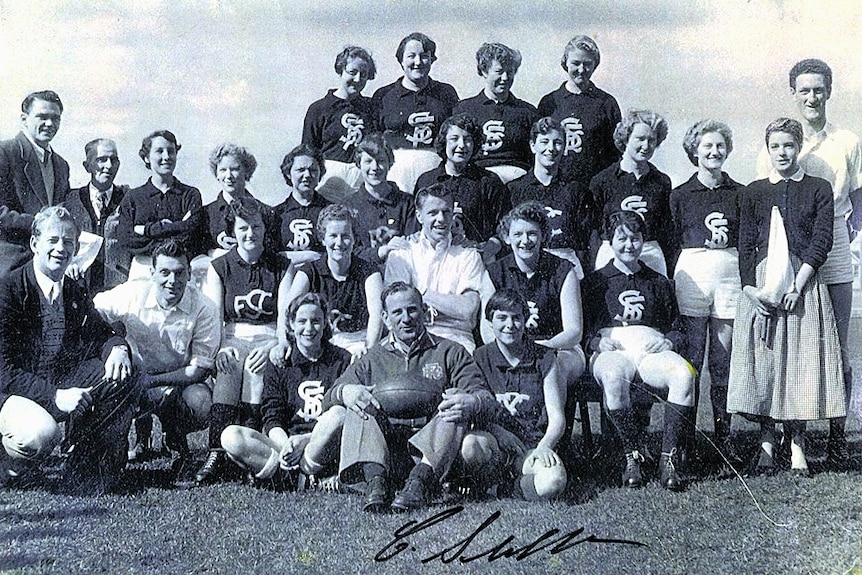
{"x": 118, "y": 366}
{"x": 357, "y": 398}
{"x": 544, "y": 456}
{"x": 457, "y": 407}
{"x": 227, "y": 360}
{"x": 74, "y": 271}
{"x": 753, "y": 294}
{"x": 73, "y": 399}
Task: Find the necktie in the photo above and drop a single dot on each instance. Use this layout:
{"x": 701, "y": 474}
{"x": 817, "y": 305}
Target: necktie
{"x": 101, "y": 203}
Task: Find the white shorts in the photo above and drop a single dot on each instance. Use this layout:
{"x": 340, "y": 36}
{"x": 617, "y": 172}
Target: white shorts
{"x": 507, "y": 172}
{"x": 838, "y": 268}
{"x": 634, "y": 340}
{"x": 707, "y": 282}
{"x": 651, "y": 255}
{"x": 340, "y": 180}
{"x": 409, "y": 165}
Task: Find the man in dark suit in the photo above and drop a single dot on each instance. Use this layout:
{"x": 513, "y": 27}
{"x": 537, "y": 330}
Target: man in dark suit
{"x": 32, "y": 176}
{"x": 94, "y": 208}
{"x": 60, "y": 362}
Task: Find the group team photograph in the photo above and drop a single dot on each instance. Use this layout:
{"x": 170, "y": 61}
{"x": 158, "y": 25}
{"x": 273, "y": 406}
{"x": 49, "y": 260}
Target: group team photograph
{"x": 461, "y": 296}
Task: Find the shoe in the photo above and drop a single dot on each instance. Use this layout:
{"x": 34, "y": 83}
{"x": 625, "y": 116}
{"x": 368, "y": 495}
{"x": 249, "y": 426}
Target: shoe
{"x": 837, "y": 456}
{"x": 375, "y": 498}
{"x": 632, "y": 476}
{"x": 410, "y": 498}
{"x": 184, "y": 472}
{"x": 762, "y": 464}
{"x": 280, "y": 482}
{"x": 802, "y": 472}
{"x": 670, "y": 479}
{"x": 210, "y": 471}
{"x": 136, "y": 453}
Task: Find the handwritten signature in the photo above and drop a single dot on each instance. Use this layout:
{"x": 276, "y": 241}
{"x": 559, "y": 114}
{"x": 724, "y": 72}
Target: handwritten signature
{"x": 551, "y": 540}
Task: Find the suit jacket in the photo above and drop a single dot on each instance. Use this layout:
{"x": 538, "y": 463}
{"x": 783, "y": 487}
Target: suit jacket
{"x": 86, "y": 336}
{"x": 106, "y": 270}
{"x": 22, "y": 191}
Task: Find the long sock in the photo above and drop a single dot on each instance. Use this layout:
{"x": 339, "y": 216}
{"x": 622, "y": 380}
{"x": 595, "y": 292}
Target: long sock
{"x": 221, "y": 415}
{"x": 720, "y": 418}
{"x": 836, "y": 429}
{"x": 675, "y": 422}
{"x": 624, "y": 421}
{"x": 144, "y": 430}
{"x": 423, "y": 472}
{"x": 249, "y": 415}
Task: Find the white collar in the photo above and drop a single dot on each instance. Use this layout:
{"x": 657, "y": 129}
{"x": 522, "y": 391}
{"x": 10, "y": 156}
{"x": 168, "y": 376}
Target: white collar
{"x": 775, "y": 177}
{"x": 46, "y": 284}
{"x": 40, "y": 151}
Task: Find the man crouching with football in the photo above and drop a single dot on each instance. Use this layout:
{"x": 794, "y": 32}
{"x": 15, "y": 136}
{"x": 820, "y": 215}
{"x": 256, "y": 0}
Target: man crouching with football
{"x": 410, "y": 402}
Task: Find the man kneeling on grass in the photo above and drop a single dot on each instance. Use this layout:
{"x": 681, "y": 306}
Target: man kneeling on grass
{"x": 59, "y": 362}
{"x": 524, "y": 377}
{"x": 395, "y": 418}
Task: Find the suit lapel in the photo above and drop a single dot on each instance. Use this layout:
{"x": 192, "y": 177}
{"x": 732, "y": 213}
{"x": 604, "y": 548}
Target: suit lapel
{"x": 32, "y": 169}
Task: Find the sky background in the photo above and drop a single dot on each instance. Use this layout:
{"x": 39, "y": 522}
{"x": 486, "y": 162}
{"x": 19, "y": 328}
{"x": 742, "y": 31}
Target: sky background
{"x": 212, "y": 71}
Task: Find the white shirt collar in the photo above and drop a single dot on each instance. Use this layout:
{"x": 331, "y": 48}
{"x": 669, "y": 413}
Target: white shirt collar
{"x": 46, "y": 284}
{"x": 40, "y": 151}
{"x": 775, "y": 177}
{"x": 184, "y": 305}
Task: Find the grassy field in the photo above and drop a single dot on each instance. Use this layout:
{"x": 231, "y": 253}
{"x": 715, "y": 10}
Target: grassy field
{"x": 766, "y": 525}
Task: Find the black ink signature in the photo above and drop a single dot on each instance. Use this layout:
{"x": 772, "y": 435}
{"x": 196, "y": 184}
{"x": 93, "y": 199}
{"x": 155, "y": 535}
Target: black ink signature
{"x": 551, "y": 540}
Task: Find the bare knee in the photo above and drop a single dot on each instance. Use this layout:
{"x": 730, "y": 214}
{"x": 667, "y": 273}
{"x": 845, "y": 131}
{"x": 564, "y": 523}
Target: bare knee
{"x": 234, "y": 440}
{"x": 199, "y": 400}
{"x": 479, "y": 449}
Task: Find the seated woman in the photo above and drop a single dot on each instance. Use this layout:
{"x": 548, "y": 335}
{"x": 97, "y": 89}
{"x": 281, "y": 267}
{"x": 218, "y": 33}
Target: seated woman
{"x": 297, "y": 433}
{"x": 411, "y": 109}
{"x": 786, "y": 359}
{"x": 162, "y": 208}
{"x": 631, "y": 326}
{"x": 566, "y": 203}
{"x": 635, "y": 184}
{"x": 549, "y": 284}
{"x": 336, "y": 123}
{"x": 505, "y": 119}
{"x": 294, "y": 218}
{"x": 481, "y": 199}
{"x": 383, "y": 211}
{"x": 232, "y": 167}
{"x": 350, "y": 285}
{"x": 529, "y": 419}
{"x": 249, "y": 286}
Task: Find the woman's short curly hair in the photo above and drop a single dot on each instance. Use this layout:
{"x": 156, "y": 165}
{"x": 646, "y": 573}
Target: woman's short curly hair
{"x": 530, "y": 211}
{"x": 632, "y": 118}
{"x": 376, "y": 146}
{"x": 786, "y": 125}
{"x": 314, "y": 299}
{"x": 245, "y": 158}
{"x": 301, "y": 150}
{"x": 464, "y": 121}
{"x": 147, "y": 144}
{"x": 428, "y": 45}
{"x": 545, "y": 125}
{"x": 584, "y": 43}
{"x": 509, "y": 58}
{"x": 335, "y": 213}
{"x": 358, "y": 53}
{"x": 692, "y": 137}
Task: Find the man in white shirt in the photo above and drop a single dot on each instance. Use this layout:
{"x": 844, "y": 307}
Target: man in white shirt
{"x": 835, "y": 155}
{"x": 174, "y": 332}
{"x": 448, "y": 276}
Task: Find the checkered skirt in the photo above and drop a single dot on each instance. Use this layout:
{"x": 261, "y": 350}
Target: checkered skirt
{"x": 798, "y": 377}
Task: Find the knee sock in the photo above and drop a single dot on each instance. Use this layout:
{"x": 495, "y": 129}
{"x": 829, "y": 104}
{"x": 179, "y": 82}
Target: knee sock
{"x": 249, "y": 415}
{"x": 676, "y": 418}
{"x": 221, "y": 415}
{"x": 144, "y": 430}
{"x": 836, "y": 429}
{"x": 624, "y": 421}
{"x": 720, "y": 417}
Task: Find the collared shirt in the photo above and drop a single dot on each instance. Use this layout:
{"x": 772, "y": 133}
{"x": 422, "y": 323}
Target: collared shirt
{"x": 412, "y": 119}
{"x": 520, "y": 389}
{"x": 50, "y": 289}
{"x": 163, "y": 340}
{"x": 45, "y": 165}
{"x": 567, "y": 205}
{"x": 294, "y": 223}
{"x": 335, "y": 126}
{"x": 163, "y": 215}
{"x": 705, "y": 217}
{"x": 379, "y": 219}
{"x": 615, "y": 189}
{"x": 833, "y": 154}
{"x": 481, "y": 198}
{"x": 589, "y": 119}
{"x": 806, "y": 206}
{"x": 437, "y": 363}
{"x": 292, "y": 397}
{"x": 618, "y": 299}
{"x": 213, "y": 221}
{"x": 541, "y": 290}
{"x": 94, "y": 196}
{"x": 445, "y": 269}
{"x": 506, "y": 129}
{"x": 775, "y": 177}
